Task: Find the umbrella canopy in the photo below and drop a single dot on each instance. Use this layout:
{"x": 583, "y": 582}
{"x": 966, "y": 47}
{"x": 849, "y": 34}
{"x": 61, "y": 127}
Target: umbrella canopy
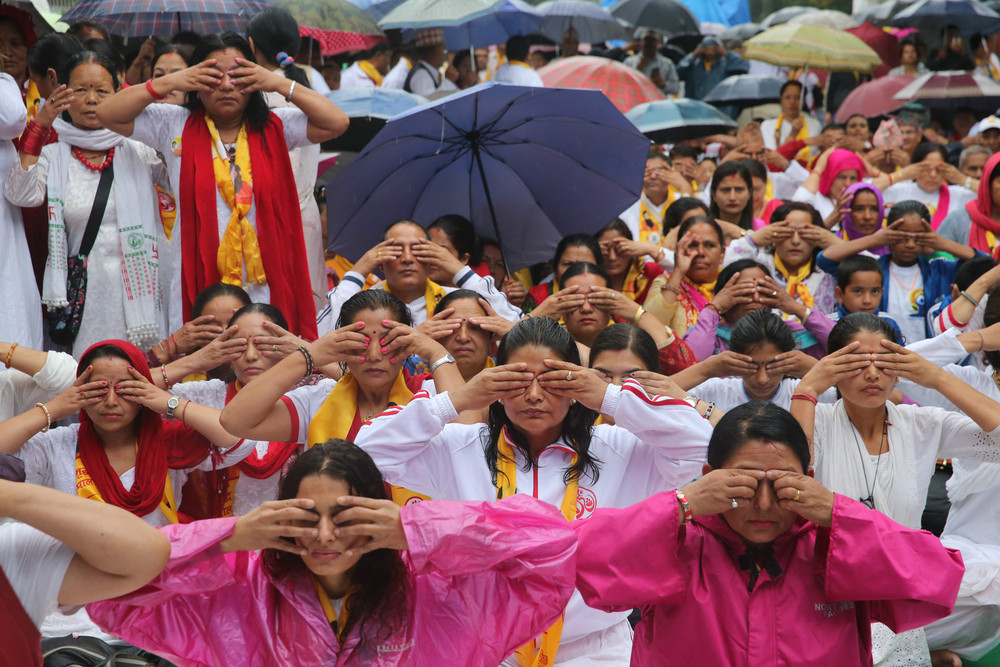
{"x": 29, "y": 15}
{"x": 790, "y": 45}
{"x": 969, "y": 15}
{"x": 746, "y": 89}
{"x": 369, "y": 109}
{"x": 784, "y": 15}
{"x": 467, "y": 23}
{"x": 882, "y": 13}
{"x": 333, "y": 42}
{"x": 377, "y": 9}
{"x": 526, "y": 165}
{"x": 951, "y": 89}
{"x": 740, "y": 33}
{"x": 145, "y": 18}
{"x": 671, "y": 121}
{"x": 881, "y": 42}
{"x": 333, "y": 15}
{"x": 827, "y": 18}
{"x": 592, "y": 23}
{"x": 668, "y": 16}
{"x": 624, "y": 86}
{"x": 874, "y": 98}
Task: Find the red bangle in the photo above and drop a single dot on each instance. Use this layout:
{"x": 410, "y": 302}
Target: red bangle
{"x": 184, "y": 412}
{"x": 152, "y": 91}
{"x": 32, "y": 143}
{"x": 805, "y": 397}
{"x": 685, "y": 507}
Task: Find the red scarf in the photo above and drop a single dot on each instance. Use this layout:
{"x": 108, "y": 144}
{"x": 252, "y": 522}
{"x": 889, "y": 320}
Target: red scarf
{"x": 279, "y": 221}
{"x": 840, "y": 160}
{"x": 19, "y": 637}
{"x": 156, "y": 453}
{"x": 980, "y": 208}
{"x": 941, "y": 212}
{"x": 277, "y": 452}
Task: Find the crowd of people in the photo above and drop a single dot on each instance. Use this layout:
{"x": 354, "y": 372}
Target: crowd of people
{"x": 755, "y": 419}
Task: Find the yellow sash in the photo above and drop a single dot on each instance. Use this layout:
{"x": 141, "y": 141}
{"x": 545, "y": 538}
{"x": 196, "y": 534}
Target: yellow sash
{"x": 801, "y": 136}
{"x": 796, "y": 289}
{"x": 32, "y": 100}
{"x": 335, "y": 416}
{"x": 635, "y": 280}
{"x": 651, "y": 221}
{"x": 991, "y": 238}
{"x": 168, "y": 211}
{"x": 370, "y": 70}
{"x": 531, "y": 654}
{"x": 239, "y": 242}
{"x": 85, "y": 488}
{"x": 432, "y": 294}
{"x": 331, "y": 615}
{"x": 705, "y": 289}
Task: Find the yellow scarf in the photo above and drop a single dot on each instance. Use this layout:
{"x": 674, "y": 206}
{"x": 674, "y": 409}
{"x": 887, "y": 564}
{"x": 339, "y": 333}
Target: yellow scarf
{"x": 432, "y": 294}
{"x": 332, "y": 616}
{"x": 32, "y": 100}
{"x": 532, "y": 655}
{"x": 705, "y": 289}
{"x": 238, "y": 246}
{"x": 796, "y": 287}
{"x": 987, "y": 69}
{"x": 370, "y": 70}
{"x": 168, "y": 211}
{"x": 635, "y": 280}
{"x": 335, "y": 417}
{"x": 651, "y": 220}
{"x": 801, "y": 136}
{"x": 85, "y": 488}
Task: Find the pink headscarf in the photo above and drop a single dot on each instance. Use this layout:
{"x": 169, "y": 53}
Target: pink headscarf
{"x": 840, "y": 160}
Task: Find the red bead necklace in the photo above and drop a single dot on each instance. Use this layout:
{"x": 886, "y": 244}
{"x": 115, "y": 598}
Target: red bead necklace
{"x": 86, "y": 163}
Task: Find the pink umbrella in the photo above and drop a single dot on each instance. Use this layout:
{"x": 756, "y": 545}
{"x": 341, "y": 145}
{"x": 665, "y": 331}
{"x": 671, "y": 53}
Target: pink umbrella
{"x": 874, "y": 98}
{"x": 882, "y": 43}
{"x": 624, "y": 86}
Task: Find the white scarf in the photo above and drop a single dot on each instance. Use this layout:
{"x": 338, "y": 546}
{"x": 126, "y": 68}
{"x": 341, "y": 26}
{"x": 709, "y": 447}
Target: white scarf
{"x": 135, "y": 202}
{"x": 843, "y": 462}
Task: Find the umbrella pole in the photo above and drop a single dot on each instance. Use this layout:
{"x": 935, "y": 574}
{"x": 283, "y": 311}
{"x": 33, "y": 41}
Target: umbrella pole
{"x": 489, "y": 202}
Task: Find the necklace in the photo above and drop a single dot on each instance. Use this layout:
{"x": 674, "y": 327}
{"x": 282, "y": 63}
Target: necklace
{"x": 913, "y": 283}
{"x": 375, "y": 413}
{"x": 89, "y": 165}
{"x": 869, "y": 501}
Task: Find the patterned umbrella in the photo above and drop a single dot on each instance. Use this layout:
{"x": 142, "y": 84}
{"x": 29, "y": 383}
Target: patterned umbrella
{"x": 811, "y": 46}
{"x": 671, "y": 121}
{"x": 145, "y": 18}
{"x": 874, "y": 98}
{"x": 951, "y": 90}
{"x": 332, "y": 42}
{"x": 624, "y": 86}
{"x": 592, "y": 23}
{"x": 332, "y": 15}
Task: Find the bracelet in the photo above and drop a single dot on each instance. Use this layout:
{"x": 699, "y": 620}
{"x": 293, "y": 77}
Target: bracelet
{"x": 970, "y": 298}
{"x": 805, "y": 397}
{"x": 638, "y": 315}
{"x": 10, "y": 353}
{"x": 661, "y": 255}
{"x": 309, "y": 360}
{"x": 708, "y": 412}
{"x": 48, "y": 417}
{"x": 968, "y": 182}
{"x": 166, "y": 381}
{"x": 713, "y": 307}
{"x": 813, "y": 171}
{"x": 184, "y": 411}
{"x": 32, "y": 143}
{"x": 152, "y": 91}
{"x": 686, "y": 513}
{"x": 671, "y": 288}
{"x": 177, "y": 348}
{"x": 291, "y": 88}
{"x": 890, "y": 179}
{"x": 805, "y": 315}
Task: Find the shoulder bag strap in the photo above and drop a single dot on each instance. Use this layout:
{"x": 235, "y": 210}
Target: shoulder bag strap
{"x": 97, "y": 210}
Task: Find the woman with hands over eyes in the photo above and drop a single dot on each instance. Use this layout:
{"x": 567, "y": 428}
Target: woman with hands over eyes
{"x": 541, "y": 440}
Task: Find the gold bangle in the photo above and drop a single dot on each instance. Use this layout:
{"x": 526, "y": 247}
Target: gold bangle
{"x": 638, "y": 315}
{"x": 48, "y": 416}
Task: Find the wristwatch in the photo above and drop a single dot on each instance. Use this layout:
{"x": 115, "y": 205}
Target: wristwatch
{"x": 446, "y": 359}
{"x": 172, "y": 404}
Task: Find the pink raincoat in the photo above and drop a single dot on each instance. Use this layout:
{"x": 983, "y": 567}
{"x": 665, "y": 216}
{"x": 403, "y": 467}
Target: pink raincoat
{"x": 486, "y": 577}
{"x": 696, "y": 609}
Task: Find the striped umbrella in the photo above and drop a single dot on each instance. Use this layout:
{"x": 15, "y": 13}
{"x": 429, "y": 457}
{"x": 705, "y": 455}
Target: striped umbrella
{"x": 813, "y": 47}
{"x": 624, "y": 86}
{"x": 950, "y": 89}
{"x": 145, "y": 18}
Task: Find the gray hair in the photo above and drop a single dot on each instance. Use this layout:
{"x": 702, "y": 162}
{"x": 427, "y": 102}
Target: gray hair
{"x": 975, "y": 149}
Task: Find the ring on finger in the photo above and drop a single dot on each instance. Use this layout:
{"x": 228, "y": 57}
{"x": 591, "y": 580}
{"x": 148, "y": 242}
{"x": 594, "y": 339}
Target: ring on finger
{"x": 774, "y": 293}
{"x": 798, "y": 492}
{"x": 735, "y": 503}
{"x": 569, "y": 375}
{"x": 274, "y": 348}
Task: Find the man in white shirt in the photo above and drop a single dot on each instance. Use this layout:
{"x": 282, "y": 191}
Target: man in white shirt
{"x": 516, "y": 70}
{"x": 367, "y": 72}
{"x": 425, "y": 76}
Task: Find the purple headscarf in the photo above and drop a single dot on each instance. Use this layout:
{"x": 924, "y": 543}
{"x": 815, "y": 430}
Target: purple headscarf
{"x": 848, "y": 231}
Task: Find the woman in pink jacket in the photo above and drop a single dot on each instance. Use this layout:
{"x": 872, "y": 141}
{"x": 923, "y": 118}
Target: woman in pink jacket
{"x": 757, "y": 563}
{"x": 331, "y": 588}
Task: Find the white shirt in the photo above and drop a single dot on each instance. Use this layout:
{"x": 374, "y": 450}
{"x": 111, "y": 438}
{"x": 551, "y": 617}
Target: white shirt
{"x": 519, "y": 74}
{"x": 35, "y": 565}
{"x": 906, "y": 292}
{"x": 769, "y": 129}
{"x": 355, "y": 77}
{"x": 656, "y": 444}
{"x": 427, "y": 80}
{"x": 19, "y": 392}
{"x": 958, "y": 196}
{"x": 397, "y": 75}
{"x": 729, "y": 392}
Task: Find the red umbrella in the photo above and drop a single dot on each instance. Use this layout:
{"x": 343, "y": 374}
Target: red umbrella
{"x": 332, "y": 42}
{"x": 624, "y": 86}
{"x": 882, "y": 43}
{"x": 873, "y": 98}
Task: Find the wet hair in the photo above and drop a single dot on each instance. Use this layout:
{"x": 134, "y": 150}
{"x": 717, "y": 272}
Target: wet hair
{"x": 851, "y": 325}
{"x": 380, "y": 581}
{"x": 185, "y": 51}
{"x": 725, "y": 170}
{"x": 702, "y": 220}
{"x": 756, "y": 169}
{"x": 272, "y": 313}
{"x": 729, "y": 270}
{"x": 213, "y": 292}
{"x": 189, "y": 37}
{"x": 788, "y": 84}
{"x": 616, "y": 225}
{"x": 972, "y": 269}
{"x": 78, "y": 27}
{"x": 452, "y": 297}
{"x": 374, "y": 299}
{"x": 904, "y": 208}
{"x": 256, "y": 114}
{"x": 462, "y": 235}
{"x": 402, "y": 221}
{"x": 624, "y": 336}
{"x": 782, "y": 212}
{"x": 857, "y": 264}
{"x": 684, "y": 150}
{"x": 672, "y": 216}
{"x": 926, "y": 148}
{"x": 756, "y": 420}
{"x": 518, "y": 47}
{"x": 584, "y": 268}
{"x": 577, "y": 427}
{"x": 760, "y": 327}
{"x": 107, "y": 351}
{"x": 274, "y": 31}
{"x": 52, "y": 51}
{"x": 580, "y": 241}
{"x": 87, "y": 58}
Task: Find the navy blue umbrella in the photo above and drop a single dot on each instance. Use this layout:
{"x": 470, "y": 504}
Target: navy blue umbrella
{"x": 526, "y": 165}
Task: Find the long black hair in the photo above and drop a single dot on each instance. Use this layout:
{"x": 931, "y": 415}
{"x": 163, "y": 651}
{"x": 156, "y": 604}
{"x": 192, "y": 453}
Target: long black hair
{"x": 756, "y": 420}
{"x": 380, "y": 582}
{"x": 274, "y": 31}
{"x": 624, "y": 336}
{"x": 462, "y": 235}
{"x": 51, "y": 52}
{"x": 577, "y": 427}
{"x": 256, "y": 114}
{"x": 725, "y": 170}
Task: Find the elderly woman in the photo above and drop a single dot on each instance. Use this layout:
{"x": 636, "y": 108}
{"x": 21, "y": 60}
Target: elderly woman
{"x": 977, "y": 224}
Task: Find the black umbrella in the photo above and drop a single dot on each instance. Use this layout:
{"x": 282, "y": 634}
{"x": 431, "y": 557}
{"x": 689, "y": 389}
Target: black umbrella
{"x": 668, "y": 16}
{"x": 744, "y": 90}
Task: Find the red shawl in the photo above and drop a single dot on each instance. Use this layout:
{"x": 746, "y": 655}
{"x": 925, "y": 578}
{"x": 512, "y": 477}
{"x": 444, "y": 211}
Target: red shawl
{"x": 277, "y": 452}
{"x": 980, "y": 208}
{"x": 279, "y": 221}
{"x": 161, "y": 446}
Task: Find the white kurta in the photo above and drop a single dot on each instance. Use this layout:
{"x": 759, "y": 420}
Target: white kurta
{"x": 518, "y": 74}
{"x": 729, "y": 392}
{"x": 19, "y": 392}
{"x": 958, "y": 196}
{"x": 21, "y": 311}
{"x": 355, "y": 77}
